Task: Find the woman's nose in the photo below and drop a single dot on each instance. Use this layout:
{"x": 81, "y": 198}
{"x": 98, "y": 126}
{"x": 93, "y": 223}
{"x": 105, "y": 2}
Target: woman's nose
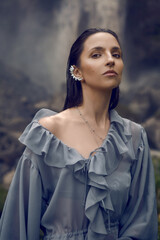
{"x": 109, "y": 60}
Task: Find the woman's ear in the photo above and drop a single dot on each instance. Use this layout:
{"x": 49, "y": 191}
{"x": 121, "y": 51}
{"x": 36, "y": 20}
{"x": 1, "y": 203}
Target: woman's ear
{"x": 77, "y": 72}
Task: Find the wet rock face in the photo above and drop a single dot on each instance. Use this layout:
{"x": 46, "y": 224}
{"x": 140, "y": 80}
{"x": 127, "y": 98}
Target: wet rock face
{"x": 18, "y": 94}
{"x": 10, "y": 150}
{"x": 142, "y": 50}
{"x": 17, "y": 107}
{"x": 142, "y": 36}
{"x": 143, "y": 105}
{"x": 152, "y": 126}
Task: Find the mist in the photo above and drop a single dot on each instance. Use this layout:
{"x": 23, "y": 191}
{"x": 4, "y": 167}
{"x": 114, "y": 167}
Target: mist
{"x": 37, "y": 41}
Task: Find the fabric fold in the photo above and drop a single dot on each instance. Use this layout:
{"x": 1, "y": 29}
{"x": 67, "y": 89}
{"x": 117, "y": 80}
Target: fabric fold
{"x": 102, "y": 163}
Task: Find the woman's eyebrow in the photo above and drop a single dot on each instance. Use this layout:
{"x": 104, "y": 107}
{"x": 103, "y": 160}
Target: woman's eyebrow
{"x": 116, "y": 48}
{"x": 97, "y": 48}
{"x": 102, "y": 48}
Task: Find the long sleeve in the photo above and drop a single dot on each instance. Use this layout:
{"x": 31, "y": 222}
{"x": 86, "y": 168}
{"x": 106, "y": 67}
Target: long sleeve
{"x": 139, "y": 220}
{"x": 21, "y": 214}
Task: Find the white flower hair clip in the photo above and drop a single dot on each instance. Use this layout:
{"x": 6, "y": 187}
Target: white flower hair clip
{"x": 72, "y": 74}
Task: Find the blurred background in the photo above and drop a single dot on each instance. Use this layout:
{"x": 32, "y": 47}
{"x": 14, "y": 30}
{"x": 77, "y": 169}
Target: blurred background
{"x": 35, "y": 39}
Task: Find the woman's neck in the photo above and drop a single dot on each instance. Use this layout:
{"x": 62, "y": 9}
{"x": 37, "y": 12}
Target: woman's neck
{"x": 95, "y": 106}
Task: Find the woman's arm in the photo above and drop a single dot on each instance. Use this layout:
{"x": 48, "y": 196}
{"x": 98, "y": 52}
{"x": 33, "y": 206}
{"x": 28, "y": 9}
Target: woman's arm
{"x": 22, "y": 210}
{"x": 139, "y": 220}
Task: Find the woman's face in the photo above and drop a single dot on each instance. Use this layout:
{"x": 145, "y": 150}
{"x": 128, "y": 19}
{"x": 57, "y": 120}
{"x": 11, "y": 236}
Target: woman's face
{"x": 101, "y": 61}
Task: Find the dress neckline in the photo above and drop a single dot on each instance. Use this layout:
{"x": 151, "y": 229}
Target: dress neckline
{"x": 56, "y": 153}
{"x": 72, "y": 148}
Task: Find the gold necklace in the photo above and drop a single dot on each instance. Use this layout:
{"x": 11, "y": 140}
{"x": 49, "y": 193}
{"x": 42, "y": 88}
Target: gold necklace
{"x": 90, "y": 128}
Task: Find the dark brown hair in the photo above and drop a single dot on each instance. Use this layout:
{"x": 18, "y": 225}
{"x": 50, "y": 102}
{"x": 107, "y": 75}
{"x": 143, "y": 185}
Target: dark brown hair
{"x": 74, "y": 95}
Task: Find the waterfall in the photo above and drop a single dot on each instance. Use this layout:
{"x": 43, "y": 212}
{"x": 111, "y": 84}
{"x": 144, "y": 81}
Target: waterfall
{"x": 105, "y": 14}
{"x": 74, "y": 17}
{"x": 40, "y": 45}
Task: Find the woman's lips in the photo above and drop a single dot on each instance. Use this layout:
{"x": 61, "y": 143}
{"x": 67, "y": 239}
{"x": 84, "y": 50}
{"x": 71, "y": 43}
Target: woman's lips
{"x": 110, "y": 73}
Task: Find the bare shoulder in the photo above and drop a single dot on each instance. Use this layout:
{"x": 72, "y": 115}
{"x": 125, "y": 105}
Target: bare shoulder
{"x": 56, "y": 123}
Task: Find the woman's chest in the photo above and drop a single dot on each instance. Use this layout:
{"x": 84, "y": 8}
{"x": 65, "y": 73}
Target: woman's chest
{"x": 74, "y": 183}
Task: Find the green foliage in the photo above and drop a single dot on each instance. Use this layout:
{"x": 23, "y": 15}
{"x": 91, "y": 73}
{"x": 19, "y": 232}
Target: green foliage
{"x": 41, "y": 235}
{"x": 156, "y": 162}
{"x": 3, "y": 194}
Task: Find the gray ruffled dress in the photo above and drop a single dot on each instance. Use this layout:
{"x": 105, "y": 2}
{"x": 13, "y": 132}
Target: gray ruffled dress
{"x": 110, "y": 195}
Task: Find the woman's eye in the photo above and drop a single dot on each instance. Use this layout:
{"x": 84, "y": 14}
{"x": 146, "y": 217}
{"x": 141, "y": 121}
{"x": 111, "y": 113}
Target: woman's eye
{"x": 116, "y": 55}
{"x": 96, "y": 55}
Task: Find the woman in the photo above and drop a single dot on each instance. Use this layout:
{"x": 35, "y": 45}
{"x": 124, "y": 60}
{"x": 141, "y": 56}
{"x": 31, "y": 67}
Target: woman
{"x": 86, "y": 173}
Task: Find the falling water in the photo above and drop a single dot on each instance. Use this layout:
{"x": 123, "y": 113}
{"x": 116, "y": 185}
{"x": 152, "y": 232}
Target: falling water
{"x": 73, "y": 18}
{"x": 41, "y": 51}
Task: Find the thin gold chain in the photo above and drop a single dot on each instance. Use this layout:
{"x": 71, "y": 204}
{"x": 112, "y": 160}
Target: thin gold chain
{"x": 90, "y": 128}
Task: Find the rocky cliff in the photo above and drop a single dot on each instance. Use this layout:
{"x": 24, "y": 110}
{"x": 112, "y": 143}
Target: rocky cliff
{"x": 35, "y": 37}
{"x": 18, "y": 99}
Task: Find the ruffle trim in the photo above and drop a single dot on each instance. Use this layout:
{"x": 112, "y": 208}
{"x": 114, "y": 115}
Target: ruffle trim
{"x": 106, "y": 159}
